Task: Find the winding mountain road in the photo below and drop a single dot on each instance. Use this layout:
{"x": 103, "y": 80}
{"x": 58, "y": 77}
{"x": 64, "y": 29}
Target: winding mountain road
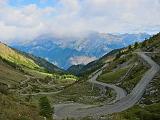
{"x": 120, "y": 93}
{"x": 121, "y": 105}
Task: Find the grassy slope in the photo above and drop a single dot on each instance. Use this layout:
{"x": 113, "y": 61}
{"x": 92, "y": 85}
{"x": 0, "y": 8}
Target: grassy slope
{"x": 119, "y": 67}
{"x": 42, "y": 62}
{"x": 13, "y": 109}
{"x": 81, "y": 92}
{"x": 13, "y": 68}
{"x": 12, "y": 56}
{"x": 133, "y": 78}
{"x": 110, "y": 77}
{"x": 24, "y": 62}
{"x": 147, "y": 112}
{"x": 75, "y": 69}
{"x": 35, "y": 73}
{"x": 9, "y": 75}
{"x": 152, "y": 94}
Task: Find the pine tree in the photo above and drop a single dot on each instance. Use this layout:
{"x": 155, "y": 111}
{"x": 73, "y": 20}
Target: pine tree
{"x": 144, "y": 44}
{"x": 129, "y": 47}
{"x": 136, "y": 45}
{"x": 45, "y": 108}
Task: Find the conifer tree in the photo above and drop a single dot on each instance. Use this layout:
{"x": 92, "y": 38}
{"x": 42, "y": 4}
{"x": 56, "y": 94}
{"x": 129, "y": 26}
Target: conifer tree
{"x": 45, "y": 108}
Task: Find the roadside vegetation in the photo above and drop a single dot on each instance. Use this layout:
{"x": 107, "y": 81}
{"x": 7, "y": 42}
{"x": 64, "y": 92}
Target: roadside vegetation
{"x": 130, "y": 81}
{"x": 124, "y": 71}
{"x": 138, "y": 112}
{"x": 82, "y": 92}
{"x": 152, "y": 94}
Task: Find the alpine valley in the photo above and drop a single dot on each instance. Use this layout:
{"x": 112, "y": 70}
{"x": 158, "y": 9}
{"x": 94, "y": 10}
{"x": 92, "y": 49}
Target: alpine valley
{"x": 79, "y": 60}
{"x": 67, "y": 51}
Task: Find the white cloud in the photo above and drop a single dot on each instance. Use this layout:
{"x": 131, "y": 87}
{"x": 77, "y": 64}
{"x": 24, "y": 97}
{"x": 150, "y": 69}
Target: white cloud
{"x": 76, "y": 17}
{"x": 81, "y": 60}
{"x": 2, "y": 2}
{"x": 55, "y": 63}
{"x": 24, "y": 23}
{"x": 70, "y": 5}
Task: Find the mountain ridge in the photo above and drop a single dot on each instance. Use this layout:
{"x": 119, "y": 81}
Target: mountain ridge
{"x": 92, "y": 66}
{"x": 25, "y": 59}
{"x": 61, "y": 50}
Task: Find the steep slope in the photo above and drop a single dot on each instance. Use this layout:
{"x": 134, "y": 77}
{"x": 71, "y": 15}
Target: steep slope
{"x": 21, "y": 74}
{"x": 12, "y": 56}
{"x": 12, "y": 107}
{"x": 86, "y": 70}
{"x": 42, "y": 62}
{"x": 26, "y": 59}
{"x": 9, "y": 75}
{"x": 75, "y": 69}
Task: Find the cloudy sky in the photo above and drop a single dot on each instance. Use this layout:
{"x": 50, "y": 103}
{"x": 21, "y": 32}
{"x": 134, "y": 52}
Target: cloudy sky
{"x": 27, "y": 19}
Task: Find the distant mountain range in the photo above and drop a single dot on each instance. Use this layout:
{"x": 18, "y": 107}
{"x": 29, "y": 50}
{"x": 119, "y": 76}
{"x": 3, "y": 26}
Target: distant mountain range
{"x": 67, "y": 51}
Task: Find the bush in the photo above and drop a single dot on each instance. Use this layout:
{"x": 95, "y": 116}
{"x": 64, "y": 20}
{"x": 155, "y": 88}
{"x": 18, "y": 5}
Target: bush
{"x": 4, "y": 89}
